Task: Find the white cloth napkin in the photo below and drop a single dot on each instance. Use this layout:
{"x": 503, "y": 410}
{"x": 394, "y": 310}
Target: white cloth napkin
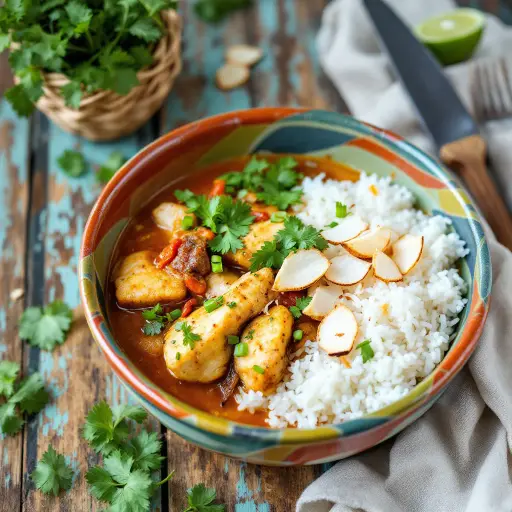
{"x": 456, "y": 458}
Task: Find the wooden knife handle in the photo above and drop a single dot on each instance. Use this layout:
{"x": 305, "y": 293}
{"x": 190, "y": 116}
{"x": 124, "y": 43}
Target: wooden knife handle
{"x": 467, "y": 158}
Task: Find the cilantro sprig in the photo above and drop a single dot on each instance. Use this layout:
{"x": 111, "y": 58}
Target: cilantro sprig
{"x": 228, "y": 218}
{"x": 97, "y": 45}
{"x": 46, "y": 327}
{"x": 294, "y": 236}
{"x": 29, "y": 396}
{"x": 189, "y": 338}
{"x": 124, "y": 480}
{"x": 274, "y": 183}
{"x": 52, "y": 473}
{"x": 300, "y": 305}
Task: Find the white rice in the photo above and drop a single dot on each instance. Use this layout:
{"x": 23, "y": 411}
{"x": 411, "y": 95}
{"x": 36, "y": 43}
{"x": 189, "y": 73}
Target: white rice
{"x": 409, "y": 323}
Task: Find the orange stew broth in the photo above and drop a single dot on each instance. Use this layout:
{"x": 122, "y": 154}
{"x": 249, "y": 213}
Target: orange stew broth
{"x": 146, "y": 352}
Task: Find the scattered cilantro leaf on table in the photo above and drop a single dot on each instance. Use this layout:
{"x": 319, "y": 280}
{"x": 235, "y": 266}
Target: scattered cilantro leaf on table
{"x": 9, "y": 371}
{"x": 300, "y": 305}
{"x": 106, "y": 171}
{"x": 228, "y": 218}
{"x": 72, "y": 163}
{"x": 274, "y": 183}
{"x": 295, "y": 235}
{"x": 52, "y": 474}
{"x": 46, "y": 327}
{"x": 201, "y": 498}
{"x": 213, "y": 11}
{"x": 29, "y": 396}
{"x": 105, "y": 428}
{"x": 124, "y": 481}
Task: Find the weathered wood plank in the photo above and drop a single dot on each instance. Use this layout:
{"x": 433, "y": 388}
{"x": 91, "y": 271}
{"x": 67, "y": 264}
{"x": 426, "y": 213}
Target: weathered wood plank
{"x": 77, "y": 373}
{"x": 14, "y": 135}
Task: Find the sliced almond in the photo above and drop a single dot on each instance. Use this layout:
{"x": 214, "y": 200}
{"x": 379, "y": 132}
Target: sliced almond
{"x": 346, "y": 270}
{"x": 230, "y": 76}
{"x": 300, "y": 270}
{"x": 322, "y": 302}
{"x": 365, "y": 245}
{"x": 347, "y": 228}
{"x": 243, "y": 54}
{"x": 338, "y": 331}
{"x": 407, "y": 252}
{"x": 385, "y": 268}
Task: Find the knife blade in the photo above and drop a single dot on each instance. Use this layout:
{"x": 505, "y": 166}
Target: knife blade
{"x": 434, "y": 97}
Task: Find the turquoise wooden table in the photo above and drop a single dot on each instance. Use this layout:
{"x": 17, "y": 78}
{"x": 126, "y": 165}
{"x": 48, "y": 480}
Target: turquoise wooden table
{"x": 42, "y": 215}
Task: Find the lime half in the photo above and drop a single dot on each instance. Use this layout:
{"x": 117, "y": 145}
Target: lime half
{"x": 454, "y": 36}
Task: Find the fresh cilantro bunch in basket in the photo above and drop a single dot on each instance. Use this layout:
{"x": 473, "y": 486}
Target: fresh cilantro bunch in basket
{"x": 96, "y": 44}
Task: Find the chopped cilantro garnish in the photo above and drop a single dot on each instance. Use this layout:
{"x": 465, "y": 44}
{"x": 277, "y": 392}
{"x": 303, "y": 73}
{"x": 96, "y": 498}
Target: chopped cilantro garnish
{"x": 156, "y": 321}
{"x": 300, "y": 304}
{"x": 332, "y": 225}
{"x": 189, "y": 338}
{"x": 294, "y": 236}
{"x": 274, "y": 183}
{"x": 249, "y": 335}
{"x": 231, "y": 305}
{"x": 229, "y": 219}
{"x": 367, "y": 352}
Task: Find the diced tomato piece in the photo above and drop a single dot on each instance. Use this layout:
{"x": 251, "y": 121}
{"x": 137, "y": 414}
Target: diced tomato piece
{"x": 205, "y": 233}
{"x": 288, "y": 299}
{"x": 168, "y": 253}
{"x": 218, "y": 188}
{"x": 196, "y": 285}
{"x": 260, "y": 216}
{"x": 188, "y": 307}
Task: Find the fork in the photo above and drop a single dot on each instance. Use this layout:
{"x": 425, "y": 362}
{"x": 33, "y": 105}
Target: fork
{"x": 491, "y": 89}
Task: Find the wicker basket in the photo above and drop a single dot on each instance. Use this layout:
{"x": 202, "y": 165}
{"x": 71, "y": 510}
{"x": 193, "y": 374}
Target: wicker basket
{"x": 105, "y": 115}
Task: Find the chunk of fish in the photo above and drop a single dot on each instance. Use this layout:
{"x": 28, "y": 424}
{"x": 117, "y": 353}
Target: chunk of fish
{"x": 140, "y": 284}
{"x": 207, "y": 359}
{"x": 219, "y": 284}
{"x": 168, "y": 216}
{"x": 267, "y": 337}
{"x": 259, "y": 233}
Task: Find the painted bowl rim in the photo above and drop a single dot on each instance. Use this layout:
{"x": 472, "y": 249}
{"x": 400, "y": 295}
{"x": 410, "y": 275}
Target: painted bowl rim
{"x": 184, "y": 412}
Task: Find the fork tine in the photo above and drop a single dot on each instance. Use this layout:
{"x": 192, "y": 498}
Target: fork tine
{"x": 477, "y": 93}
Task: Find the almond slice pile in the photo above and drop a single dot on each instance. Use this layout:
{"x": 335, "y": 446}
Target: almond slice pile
{"x": 236, "y": 71}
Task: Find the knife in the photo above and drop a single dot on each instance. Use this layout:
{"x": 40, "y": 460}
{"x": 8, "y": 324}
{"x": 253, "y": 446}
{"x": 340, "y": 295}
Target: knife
{"x": 455, "y": 133}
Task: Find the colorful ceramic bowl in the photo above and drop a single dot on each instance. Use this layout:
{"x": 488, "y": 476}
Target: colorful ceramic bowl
{"x": 282, "y": 130}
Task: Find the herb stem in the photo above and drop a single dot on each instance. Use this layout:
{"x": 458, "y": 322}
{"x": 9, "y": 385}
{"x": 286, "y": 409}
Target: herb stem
{"x": 166, "y": 479}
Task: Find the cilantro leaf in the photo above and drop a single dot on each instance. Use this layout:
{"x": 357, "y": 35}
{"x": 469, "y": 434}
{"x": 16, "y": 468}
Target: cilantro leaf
{"x": 114, "y": 162}
{"x": 48, "y": 327}
{"x": 72, "y": 94}
{"x": 145, "y": 451}
{"x": 101, "y": 484}
{"x": 367, "y": 352}
{"x": 155, "y": 321}
{"x": 300, "y": 305}
{"x": 52, "y": 473}
{"x": 201, "y": 498}
{"x": 134, "y": 495}
{"x": 31, "y": 394}
{"x": 189, "y": 338}
{"x": 72, "y": 163}
{"x": 152, "y": 328}
{"x": 19, "y": 100}
{"x": 79, "y": 15}
{"x": 9, "y": 371}
{"x": 10, "y": 421}
{"x": 295, "y": 235}
{"x": 105, "y": 429}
